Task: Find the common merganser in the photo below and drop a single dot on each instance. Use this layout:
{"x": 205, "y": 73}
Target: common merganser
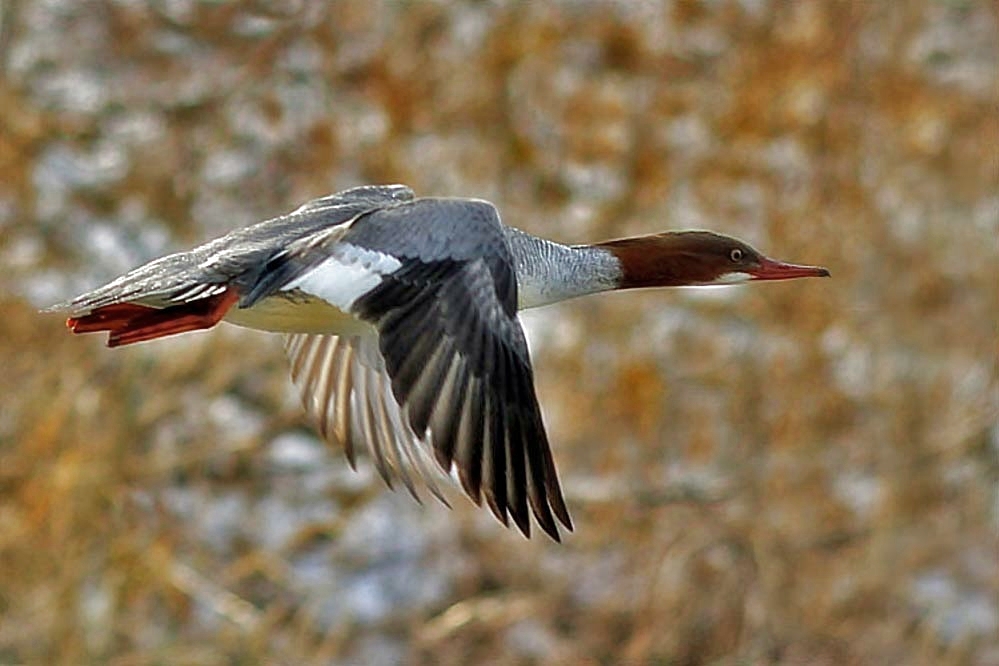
{"x": 400, "y": 315}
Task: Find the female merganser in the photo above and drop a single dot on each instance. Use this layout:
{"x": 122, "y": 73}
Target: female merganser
{"x": 401, "y": 323}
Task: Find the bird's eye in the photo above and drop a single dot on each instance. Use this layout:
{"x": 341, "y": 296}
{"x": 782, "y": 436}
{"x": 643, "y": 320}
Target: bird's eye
{"x": 735, "y": 255}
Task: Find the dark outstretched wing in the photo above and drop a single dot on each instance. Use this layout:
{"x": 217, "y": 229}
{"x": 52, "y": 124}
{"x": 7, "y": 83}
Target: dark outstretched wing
{"x": 455, "y": 356}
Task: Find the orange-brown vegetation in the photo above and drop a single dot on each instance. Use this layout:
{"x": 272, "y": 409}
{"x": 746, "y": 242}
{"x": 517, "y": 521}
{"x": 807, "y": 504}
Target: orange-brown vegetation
{"x": 798, "y": 473}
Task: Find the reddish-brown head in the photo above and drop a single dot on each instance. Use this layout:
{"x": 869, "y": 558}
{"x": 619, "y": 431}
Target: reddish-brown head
{"x": 676, "y": 259}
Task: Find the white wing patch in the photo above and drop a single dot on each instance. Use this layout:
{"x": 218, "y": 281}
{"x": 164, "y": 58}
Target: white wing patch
{"x": 349, "y": 273}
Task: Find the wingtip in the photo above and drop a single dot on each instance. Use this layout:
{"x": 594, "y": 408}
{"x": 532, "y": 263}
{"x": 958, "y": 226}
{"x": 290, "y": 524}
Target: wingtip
{"x": 412, "y": 490}
{"x": 522, "y": 521}
{"x": 440, "y": 498}
{"x": 552, "y": 532}
{"x": 498, "y": 510}
{"x": 562, "y": 512}
{"x": 351, "y": 458}
{"x": 472, "y": 490}
{"x": 543, "y": 515}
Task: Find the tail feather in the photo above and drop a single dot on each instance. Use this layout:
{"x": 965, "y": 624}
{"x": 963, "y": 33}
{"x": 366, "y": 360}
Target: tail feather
{"x": 127, "y": 323}
{"x": 107, "y": 318}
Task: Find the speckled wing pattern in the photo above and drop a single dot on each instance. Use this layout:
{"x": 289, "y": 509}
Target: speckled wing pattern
{"x": 448, "y": 377}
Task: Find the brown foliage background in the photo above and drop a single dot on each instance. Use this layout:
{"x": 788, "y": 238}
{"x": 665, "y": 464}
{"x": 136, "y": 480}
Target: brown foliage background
{"x": 800, "y": 473}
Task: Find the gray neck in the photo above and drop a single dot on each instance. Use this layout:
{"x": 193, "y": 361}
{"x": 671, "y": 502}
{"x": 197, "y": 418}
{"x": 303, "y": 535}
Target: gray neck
{"x": 548, "y": 272}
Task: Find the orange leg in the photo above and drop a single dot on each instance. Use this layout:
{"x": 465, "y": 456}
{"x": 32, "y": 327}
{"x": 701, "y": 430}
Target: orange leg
{"x": 127, "y": 322}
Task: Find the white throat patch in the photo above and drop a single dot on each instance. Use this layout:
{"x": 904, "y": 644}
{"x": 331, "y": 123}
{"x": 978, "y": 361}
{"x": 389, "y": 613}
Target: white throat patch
{"x": 737, "y": 277}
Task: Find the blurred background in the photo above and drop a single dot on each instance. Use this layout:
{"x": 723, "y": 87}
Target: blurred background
{"x": 790, "y": 473}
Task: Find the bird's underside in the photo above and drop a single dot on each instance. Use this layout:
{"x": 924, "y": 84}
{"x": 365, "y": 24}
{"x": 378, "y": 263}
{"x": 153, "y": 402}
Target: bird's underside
{"x": 432, "y": 376}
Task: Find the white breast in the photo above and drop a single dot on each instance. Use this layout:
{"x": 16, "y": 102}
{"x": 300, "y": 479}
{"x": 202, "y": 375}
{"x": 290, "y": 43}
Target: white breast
{"x": 296, "y": 312}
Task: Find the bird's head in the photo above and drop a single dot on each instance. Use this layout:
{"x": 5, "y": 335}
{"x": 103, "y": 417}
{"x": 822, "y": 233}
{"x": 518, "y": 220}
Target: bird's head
{"x": 681, "y": 258}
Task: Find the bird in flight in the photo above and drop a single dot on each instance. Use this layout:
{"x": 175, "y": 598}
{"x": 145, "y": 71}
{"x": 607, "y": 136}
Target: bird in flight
{"x": 400, "y": 323}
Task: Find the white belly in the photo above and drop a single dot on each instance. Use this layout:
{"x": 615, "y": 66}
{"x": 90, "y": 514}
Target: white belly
{"x": 298, "y": 313}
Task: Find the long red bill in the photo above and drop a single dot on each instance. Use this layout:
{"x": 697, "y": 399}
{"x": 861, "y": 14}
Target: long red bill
{"x": 778, "y": 270}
